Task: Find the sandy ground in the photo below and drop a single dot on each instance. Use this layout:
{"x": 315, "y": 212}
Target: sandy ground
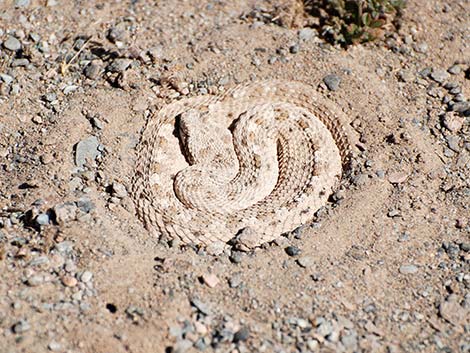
{"x": 384, "y": 267}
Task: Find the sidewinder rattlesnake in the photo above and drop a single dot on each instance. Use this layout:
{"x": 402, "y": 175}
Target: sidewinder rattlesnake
{"x": 260, "y": 159}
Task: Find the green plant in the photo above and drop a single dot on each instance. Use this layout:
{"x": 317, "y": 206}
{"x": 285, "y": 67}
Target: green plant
{"x": 354, "y": 21}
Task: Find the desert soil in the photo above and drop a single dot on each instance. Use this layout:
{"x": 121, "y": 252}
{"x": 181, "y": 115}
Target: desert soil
{"x": 383, "y": 267}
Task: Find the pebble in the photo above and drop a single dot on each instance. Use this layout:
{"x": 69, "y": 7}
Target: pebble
{"x": 20, "y": 62}
{"x": 453, "y": 122}
{"x": 69, "y": 281}
{"x": 306, "y": 261}
{"x": 64, "y": 247}
{"x": 210, "y": 280}
{"x": 201, "y": 306}
{"x": 293, "y": 251}
{"x": 6, "y": 78}
{"x": 86, "y": 149}
{"x": 54, "y": 346}
{"x": 42, "y": 219}
{"x": 453, "y": 142}
{"x": 451, "y": 311}
{"x": 216, "y": 248}
{"x": 22, "y": 3}
{"x": 93, "y": 69}
{"x": 235, "y": 281}
{"x": 408, "y": 269}
{"x": 306, "y": 34}
{"x": 455, "y": 69}
{"x": 294, "y": 49}
{"x": 21, "y": 326}
{"x": 85, "y": 205}
{"x": 86, "y": 276}
{"x": 35, "y": 280}
{"x": 440, "y": 76}
{"x": 119, "y": 65}
{"x": 119, "y": 190}
{"x": 332, "y": 81}
{"x": 12, "y": 44}
{"x": 65, "y": 212}
{"x": 182, "y": 346}
{"x": 241, "y": 335}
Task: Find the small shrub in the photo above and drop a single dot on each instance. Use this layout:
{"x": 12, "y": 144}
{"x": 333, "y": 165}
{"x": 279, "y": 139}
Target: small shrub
{"x": 354, "y": 21}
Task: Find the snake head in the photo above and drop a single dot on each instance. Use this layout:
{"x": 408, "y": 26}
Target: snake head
{"x": 188, "y": 121}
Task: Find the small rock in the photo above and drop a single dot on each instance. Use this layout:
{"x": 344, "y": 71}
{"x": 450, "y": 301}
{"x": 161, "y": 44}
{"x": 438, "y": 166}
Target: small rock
{"x": 93, "y": 69}
{"x": 397, "y": 177}
{"x": 182, "y": 346}
{"x": 461, "y": 107}
{"x": 451, "y": 311}
{"x": 216, "y": 248}
{"x": 455, "y": 69}
{"x": 235, "y": 281}
{"x": 22, "y": 3}
{"x": 42, "y": 219}
{"x": 85, "y": 205}
{"x": 201, "y": 306}
{"x": 210, "y": 280}
{"x": 408, "y": 269}
{"x": 12, "y": 44}
{"x": 69, "y": 89}
{"x": 119, "y": 190}
{"x": 86, "y": 149}
{"x": 241, "y": 335}
{"x": 23, "y": 62}
{"x": 236, "y": 257}
{"x": 440, "y": 76}
{"x": 6, "y": 78}
{"x": 349, "y": 342}
{"x": 453, "y": 142}
{"x": 64, "y": 247}
{"x": 293, "y": 251}
{"x": 65, "y": 212}
{"x": 35, "y": 280}
{"x": 453, "y": 122}
{"x": 54, "y": 346}
{"x": 332, "y": 81}
{"x": 306, "y": 34}
{"x": 294, "y": 49}
{"x": 21, "y": 326}
{"x": 306, "y": 261}
{"x": 86, "y": 276}
{"x": 69, "y": 281}
{"x": 119, "y": 65}
{"x": 313, "y": 345}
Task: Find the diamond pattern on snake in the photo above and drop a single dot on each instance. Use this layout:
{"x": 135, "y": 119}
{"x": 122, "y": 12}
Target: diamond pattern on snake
{"x": 260, "y": 159}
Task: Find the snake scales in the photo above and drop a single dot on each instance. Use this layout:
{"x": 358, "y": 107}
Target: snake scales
{"x": 262, "y": 157}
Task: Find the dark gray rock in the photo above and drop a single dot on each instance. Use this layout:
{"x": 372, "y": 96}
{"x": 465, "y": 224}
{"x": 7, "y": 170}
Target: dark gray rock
{"x": 332, "y": 81}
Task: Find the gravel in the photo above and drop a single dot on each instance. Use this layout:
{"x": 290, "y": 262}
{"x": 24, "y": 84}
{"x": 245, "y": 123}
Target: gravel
{"x": 86, "y": 276}
{"x": 241, "y": 335}
{"x": 306, "y": 261}
{"x": 408, "y": 269}
{"x": 11, "y": 43}
{"x": 332, "y": 81}
{"x": 455, "y": 69}
{"x": 21, "y": 326}
{"x": 42, "y": 219}
{"x": 292, "y": 250}
{"x": 86, "y": 149}
{"x": 119, "y": 65}
{"x": 440, "y": 76}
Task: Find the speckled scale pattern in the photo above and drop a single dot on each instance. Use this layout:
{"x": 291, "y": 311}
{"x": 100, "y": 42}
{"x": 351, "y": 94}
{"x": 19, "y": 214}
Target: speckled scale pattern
{"x": 263, "y": 156}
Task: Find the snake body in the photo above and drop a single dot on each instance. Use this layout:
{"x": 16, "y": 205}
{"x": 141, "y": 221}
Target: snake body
{"x": 263, "y": 156}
